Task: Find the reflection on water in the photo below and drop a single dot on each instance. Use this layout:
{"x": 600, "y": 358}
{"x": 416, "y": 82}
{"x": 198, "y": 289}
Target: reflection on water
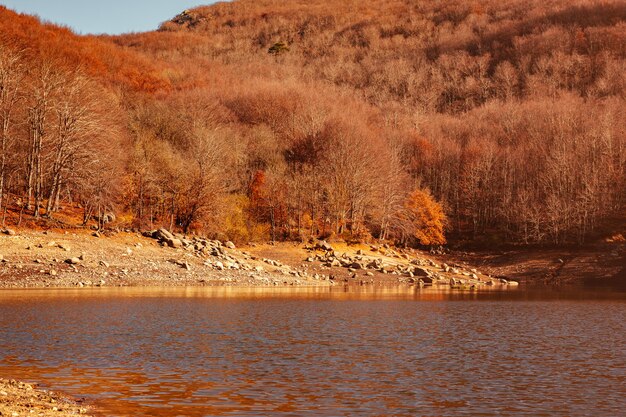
{"x": 315, "y": 351}
{"x": 336, "y": 293}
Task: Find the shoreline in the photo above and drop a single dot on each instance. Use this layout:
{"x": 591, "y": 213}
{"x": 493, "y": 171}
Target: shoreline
{"x": 18, "y": 398}
{"x": 82, "y": 258}
{"x": 595, "y": 266}
{"x": 61, "y": 259}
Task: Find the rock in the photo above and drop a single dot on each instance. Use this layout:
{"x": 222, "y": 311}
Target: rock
{"x": 427, "y": 280}
{"x": 9, "y": 232}
{"x": 104, "y": 264}
{"x": 72, "y": 261}
{"x": 162, "y": 234}
{"x": 174, "y": 243}
{"x": 375, "y": 264}
{"x": 95, "y": 234}
{"x": 52, "y": 272}
{"x": 420, "y": 272}
{"x": 323, "y": 245}
{"x": 334, "y": 263}
{"x": 230, "y": 245}
{"x": 356, "y": 265}
{"x": 219, "y": 265}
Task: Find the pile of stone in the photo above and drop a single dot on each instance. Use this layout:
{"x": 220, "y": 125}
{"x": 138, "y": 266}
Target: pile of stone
{"x": 418, "y": 271}
{"x": 220, "y": 256}
{"x": 196, "y": 244}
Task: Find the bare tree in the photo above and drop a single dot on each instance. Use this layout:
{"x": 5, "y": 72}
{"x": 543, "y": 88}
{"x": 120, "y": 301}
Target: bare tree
{"x": 44, "y": 84}
{"x": 11, "y": 75}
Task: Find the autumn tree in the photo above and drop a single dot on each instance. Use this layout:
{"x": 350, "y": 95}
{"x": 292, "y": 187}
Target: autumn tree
{"x": 426, "y": 218}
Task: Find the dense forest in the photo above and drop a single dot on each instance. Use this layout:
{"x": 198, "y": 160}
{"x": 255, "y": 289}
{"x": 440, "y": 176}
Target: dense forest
{"x": 493, "y": 121}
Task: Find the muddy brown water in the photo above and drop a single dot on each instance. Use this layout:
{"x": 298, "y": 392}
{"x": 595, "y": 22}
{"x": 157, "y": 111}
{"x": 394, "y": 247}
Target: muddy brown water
{"x": 321, "y": 352}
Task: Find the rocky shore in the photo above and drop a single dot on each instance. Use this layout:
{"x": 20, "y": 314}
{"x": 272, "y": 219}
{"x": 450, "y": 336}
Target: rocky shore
{"x": 24, "y": 399}
{"x": 81, "y": 258}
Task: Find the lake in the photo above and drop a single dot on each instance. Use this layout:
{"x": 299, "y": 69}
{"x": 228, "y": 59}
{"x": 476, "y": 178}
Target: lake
{"x": 321, "y": 352}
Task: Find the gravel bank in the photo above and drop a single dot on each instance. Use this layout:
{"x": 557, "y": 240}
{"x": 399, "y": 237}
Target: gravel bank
{"x": 24, "y": 399}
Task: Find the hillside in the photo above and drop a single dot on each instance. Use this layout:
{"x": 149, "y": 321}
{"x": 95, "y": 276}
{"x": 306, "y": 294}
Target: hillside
{"x": 483, "y": 122}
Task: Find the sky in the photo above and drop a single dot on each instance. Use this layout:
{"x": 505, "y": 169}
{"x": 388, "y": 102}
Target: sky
{"x": 104, "y": 16}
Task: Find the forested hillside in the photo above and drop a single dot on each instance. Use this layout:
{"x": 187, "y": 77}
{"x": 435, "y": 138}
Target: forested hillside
{"x": 499, "y": 121}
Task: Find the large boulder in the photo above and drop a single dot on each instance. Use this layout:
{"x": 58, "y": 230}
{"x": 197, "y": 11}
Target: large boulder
{"x": 427, "y": 280}
{"x": 164, "y": 234}
{"x": 421, "y": 272}
{"x": 323, "y": 245}
{"x": 167, "y": 238}
{"x": 174, "y": 243}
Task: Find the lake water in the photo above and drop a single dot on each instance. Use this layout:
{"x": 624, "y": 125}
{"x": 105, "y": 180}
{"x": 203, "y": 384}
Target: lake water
{"x": 320, "y": 352}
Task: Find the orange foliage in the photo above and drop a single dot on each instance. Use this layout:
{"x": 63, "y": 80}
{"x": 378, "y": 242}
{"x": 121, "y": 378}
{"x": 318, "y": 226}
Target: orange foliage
{"x": 94, "y": 55}
{"x": 427, "y": 218}
{"x": 510, "y": 111}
